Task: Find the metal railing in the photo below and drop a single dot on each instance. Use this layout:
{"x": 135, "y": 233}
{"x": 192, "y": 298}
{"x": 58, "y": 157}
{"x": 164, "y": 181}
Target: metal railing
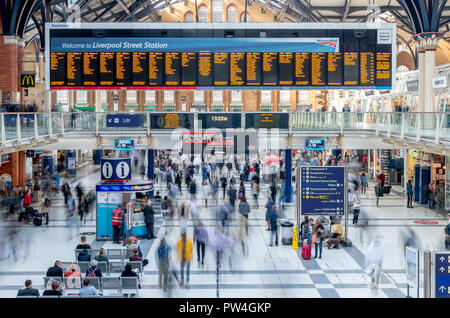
{"x": 16, "y": 127}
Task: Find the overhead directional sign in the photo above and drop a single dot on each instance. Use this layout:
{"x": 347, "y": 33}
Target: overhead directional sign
{"x": 124, "y": 120}
{"x": 116, "y": 169}
{"x": 322, "y": 190}
{"x": 442, "y": 274}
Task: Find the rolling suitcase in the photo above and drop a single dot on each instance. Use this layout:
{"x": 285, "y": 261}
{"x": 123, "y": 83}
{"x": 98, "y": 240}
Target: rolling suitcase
{"x": 306, "y": 252}
{"x": 37, "y": 221}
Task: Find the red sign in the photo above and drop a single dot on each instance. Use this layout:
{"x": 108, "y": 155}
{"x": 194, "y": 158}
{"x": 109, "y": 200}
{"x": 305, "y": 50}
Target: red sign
{"x": 426, "y": 222}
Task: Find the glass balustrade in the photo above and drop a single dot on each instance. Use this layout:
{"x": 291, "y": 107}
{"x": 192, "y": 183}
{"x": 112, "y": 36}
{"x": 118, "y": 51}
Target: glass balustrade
{"x": 422, "y": 125}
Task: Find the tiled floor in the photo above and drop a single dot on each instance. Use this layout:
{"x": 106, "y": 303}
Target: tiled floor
{"x": 264, "y": 271}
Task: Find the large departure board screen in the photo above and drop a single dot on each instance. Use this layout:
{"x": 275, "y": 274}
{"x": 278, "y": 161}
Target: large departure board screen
{"x": 341, "y": 55}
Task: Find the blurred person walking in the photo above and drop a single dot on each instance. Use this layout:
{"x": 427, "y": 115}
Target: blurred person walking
{"x": 184, "y": 251}
{"x": 374, "y": 261}
{"x": 201, "y": 238}
{"x": 364, "y": 183}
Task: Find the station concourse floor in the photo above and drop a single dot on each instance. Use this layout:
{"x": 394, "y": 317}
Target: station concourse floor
{"x": 265, "y": 272}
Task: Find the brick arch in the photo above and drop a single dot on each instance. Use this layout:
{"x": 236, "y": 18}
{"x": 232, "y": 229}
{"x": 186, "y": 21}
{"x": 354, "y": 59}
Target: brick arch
{"x": 405, "y": 58}
{"x": 186, "y": 13}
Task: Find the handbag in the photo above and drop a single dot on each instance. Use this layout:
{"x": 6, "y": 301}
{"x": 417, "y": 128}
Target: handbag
{"x": 313, "y": 239}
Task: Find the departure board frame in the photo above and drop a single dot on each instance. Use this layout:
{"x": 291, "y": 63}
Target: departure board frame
{"x": 244, "y": 43}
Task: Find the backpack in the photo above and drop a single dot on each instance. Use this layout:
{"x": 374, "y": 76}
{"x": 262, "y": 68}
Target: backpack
{"x": 91, "y": 272}
{"x": 162, "y": 253}
{"x": 47, "y": 202}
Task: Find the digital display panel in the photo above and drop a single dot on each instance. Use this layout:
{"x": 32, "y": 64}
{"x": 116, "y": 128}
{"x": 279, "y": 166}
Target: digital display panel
{"x": 188, "y": 69}
{"x": 172, "y": 121}
{"x": 219, "y": 120}
{"x": 315, "y": 144}
{"x": 336, "y": 56}
{"x": 205, "y": 69}
{"x": 270, "y": 120}
{"x": 58, "y": 69}
{"x": 74, "y": 69}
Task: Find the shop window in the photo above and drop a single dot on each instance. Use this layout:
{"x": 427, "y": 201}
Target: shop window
{"x": 169, "y": 97}
{"x": 150, "y": 97}
{"x": 151, "y": 108}
{"x": 62, "y": 97}
{"x": 131, "y": 97}
{"x": 202, "y": 14}
{"x": 266, "y": 108}
{"x": 231, "y": 14}
{"x": 199, "y": 97}
{"x": 285, "y": 108}
{"x": 236, "y": 108}
{"x": 217, "y": 10}
{"x": 81, "y": 97}
{"x": 131, "y": 108}
{"x": 217, "y": 108}
{"x": 169, "y": 108}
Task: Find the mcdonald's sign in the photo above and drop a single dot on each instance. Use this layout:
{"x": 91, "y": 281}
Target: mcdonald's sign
{"x": 27, "y": 80}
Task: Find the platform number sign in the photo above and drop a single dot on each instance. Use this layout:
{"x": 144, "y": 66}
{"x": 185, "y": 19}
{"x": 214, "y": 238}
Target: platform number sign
{"x": 116, "y": 169}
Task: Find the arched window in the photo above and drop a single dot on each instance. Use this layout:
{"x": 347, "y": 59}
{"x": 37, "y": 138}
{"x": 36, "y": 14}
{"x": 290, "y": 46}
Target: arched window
{"x": 231, "y": 14}
{"x": 202, "y": 14}
{"x": 217, "y": 10}
{"x": 243, "y": 15}
{"x": 189, "y": 17}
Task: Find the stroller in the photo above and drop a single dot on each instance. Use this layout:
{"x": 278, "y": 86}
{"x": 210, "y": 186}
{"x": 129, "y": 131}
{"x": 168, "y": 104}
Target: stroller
{"x": 30, "y": 214}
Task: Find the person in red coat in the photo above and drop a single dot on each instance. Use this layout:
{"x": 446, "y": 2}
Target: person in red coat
{"x": 382, "y": 178}
{"x": 27, "y": 199}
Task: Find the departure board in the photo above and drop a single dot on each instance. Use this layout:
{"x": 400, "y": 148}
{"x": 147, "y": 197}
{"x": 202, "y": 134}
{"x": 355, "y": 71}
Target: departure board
{"x": 58, "y": 69}
{"x": 302, "y": 69}
{"x": 140, "y": 68}
{"x": 237, "y": 69}
{"x": 205, "y": 69}
{"x": 367, "y": 68}
{"x": 351, "y": 68}
{"x": 172, "y": 68}
{"x": 383, "y": 69}
{"x": 335, "y": 69}
{"x": 123, "y": 69}
{"x": 221, "y": 69}
{"x": 286, "y": 68}
{"x": 270, "y": 68}
{"x": 188, "y": 69}
{"x": 345, "y": 55}
{"x": 74, "y": 69}
{"x": 318, "y": 69}
{"x": 90, "y": 67}
{"x": 156, "y": 69}
{"x": 254, "y": 64}
{"x": 107, "y": 72}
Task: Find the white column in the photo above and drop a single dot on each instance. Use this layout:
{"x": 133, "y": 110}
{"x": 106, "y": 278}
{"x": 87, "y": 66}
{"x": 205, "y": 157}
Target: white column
{"x": 429, "y": 73}
{"x": 375, "y": 163}
{"x": 98, "y": 101}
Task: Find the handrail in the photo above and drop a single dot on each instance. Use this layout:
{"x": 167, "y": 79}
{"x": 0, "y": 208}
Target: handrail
{"x": 431, "y": 125}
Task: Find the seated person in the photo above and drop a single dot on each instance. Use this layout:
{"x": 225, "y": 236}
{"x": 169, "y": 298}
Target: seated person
{"x": 101, "y": 256}
{"x": 136, "y": 258}
{"x": 128, "y": 272}
{"x": 94, "y": 271}
{"x": 55, "y": 271}
{"x": 157, "y": 196}
{"x": 88, "y": 289}
{"x": 54, "y": 291}
{"x": 72, "y": 271}
{"x": 131, "y": 246}
{"x": 83, "y": 244}
{"x": 84, "y": 256}
{"x": 28, "y": 290}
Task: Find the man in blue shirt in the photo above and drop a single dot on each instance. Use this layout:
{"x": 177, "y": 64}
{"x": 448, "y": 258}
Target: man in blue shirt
{"x": 268, "y": 204}
{"x": 88, "y": 289}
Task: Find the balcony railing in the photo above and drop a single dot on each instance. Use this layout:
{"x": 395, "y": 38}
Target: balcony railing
{"x": 16, "y": 127}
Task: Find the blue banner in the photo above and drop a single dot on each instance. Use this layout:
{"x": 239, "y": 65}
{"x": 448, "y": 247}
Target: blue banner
{"x": 144, "y": 187}
{"x": 116, "y": 169}
{"x": 123, "y": 120}
{"x": 194, "y": 45}
{"x": 322, "y": 190}
{"x": 442, "y": 284}
{"x": 315, "y": 144}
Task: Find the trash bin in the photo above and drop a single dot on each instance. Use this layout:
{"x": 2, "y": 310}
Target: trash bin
{"x": 286, "y": 232}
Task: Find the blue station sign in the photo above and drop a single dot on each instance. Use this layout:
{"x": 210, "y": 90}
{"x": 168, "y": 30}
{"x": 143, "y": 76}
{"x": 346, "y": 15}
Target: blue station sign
{"x": 116, "y": 169}
{"x": 442, "y": 275}
{"x": 322, "y": 190}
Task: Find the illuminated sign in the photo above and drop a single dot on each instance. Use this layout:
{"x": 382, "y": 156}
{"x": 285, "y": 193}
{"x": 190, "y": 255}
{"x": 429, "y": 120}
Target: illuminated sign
{"x": 27, "y": 80}
{"x": 315, "y": 144}
{"x": 124, "y": 144}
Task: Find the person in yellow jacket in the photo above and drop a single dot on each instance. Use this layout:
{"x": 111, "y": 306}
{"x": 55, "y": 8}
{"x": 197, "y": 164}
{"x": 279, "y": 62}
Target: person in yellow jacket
{"x": 337, "y": 234}
{"x": 184, "y": 250}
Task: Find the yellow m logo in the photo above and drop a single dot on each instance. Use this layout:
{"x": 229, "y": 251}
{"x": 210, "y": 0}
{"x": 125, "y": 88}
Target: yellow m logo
{"x": 28, "y": 80}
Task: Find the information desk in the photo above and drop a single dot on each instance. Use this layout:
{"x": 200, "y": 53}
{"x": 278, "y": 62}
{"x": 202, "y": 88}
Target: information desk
{"x": 127, "y": 195}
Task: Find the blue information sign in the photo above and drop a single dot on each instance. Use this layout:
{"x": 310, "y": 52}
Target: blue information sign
{"x": 116, "y": 169}
{"x": 124, "y": 120}
{"x": 124, "y": 144}
{"x": 315, "y": 144}
{"x": 322, "y": 190}
{"x": 442, "y": 268}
